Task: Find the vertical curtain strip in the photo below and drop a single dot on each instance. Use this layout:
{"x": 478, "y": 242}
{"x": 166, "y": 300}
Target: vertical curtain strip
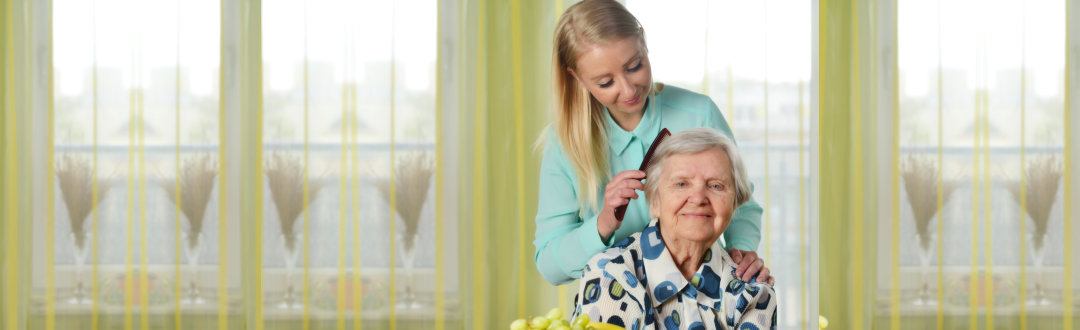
{"x": 1023, "y": 165}
{"x": 249, "y": 42}
{"x": 143, "y": 276}
{"x": 976, "y": 179}
{"x": 940, "y": 187}
{"x": 984, "y": 90}
{"x": 353, "y": 123}
{"x": 306, "y": 319}
{"x": 130, "y": 191}
{"x": 11, "y": 180}
{"x": 50, "y": 190}
{"x": 393, "y": 171}
{"x": 177, "y": 317}
{"x": 479, "y": 251}
{"x": 343, "y": 197}
{"x": 440, "y": 263}
{"x": 519, "y": 142}
{"x": 894, "y": 246}
{"x": 1068, "y": 219}
{"x": 803, "y": 298}
{"x": 857, "y": 211}
{"x": 223, "y": 205}
{"x": 95, "y": 317}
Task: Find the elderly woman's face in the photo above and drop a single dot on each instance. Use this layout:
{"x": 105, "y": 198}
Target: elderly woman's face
{"x": 696, "y": 195}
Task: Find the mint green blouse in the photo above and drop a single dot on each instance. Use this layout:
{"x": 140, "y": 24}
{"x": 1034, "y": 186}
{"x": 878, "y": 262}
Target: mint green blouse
{"x": 566, "y": 233}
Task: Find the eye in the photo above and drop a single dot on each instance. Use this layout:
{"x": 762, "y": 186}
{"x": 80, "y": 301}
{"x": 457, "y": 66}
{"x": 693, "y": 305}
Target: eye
{"x": 717, "y": 186}
{"x": 680, "y": 184}
{"x": 635, "y": 67}
{"x": 606, "y": 84}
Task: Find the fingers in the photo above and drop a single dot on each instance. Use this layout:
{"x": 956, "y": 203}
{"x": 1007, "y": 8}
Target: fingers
{"x": 754, "y": 268}
{"x": 629, "y": 174}
{"x": 765, "y": 275}
{"x": 736, "y": 255}
{"x": 748, "y": 259}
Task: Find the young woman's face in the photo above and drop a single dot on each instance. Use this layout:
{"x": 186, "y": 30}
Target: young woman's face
{"x": 617, "y": 74}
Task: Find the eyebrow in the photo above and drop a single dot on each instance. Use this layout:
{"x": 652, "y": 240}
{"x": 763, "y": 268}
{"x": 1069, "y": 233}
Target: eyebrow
{"x": 627, "y": 64}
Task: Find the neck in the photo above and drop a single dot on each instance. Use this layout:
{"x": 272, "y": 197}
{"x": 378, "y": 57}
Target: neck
{"x": 686, "y": 254}
{"x": 629, "y": 121}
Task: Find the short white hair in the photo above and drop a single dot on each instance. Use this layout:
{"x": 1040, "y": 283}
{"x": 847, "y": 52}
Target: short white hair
{"x": 693, "y": 141}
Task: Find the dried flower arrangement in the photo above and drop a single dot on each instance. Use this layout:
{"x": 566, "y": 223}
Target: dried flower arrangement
{"x": 196, "y": 183}
{"x": 412, "y": 180}
{"x": 920, "y": 183}
{"x": 285, "y": 175}
{"x": 76, "y": 179}
{"x": 1043, "y": 177}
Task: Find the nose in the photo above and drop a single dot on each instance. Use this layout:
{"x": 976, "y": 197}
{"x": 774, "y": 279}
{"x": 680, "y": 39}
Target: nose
{"x": 626, "y": 89}
{"x": 697, "y": 195}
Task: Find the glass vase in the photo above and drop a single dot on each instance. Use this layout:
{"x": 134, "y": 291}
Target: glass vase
{"x": 290, "y": 254}
{"x": 408, "y": 261}
{"x": 192, "y": 243}
{"x": 80, "y": 247}
{"x": 1037, "y": 244}
{"x": 926, "y": 247}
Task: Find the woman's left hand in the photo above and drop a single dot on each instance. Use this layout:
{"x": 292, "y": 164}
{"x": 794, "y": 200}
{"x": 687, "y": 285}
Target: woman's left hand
{"x": 749, "y": 265}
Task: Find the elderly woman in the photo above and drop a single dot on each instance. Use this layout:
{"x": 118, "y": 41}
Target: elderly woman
{"x": 674, "y": 274}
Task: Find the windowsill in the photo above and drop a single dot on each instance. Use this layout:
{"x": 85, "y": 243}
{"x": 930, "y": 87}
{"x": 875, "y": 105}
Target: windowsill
{"x": 957, "y": 293}
{"x": 322, "y": 294}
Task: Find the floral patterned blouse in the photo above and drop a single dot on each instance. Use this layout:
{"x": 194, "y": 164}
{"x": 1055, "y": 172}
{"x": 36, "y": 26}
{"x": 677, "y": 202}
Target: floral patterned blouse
{"x": 636, "y": 285}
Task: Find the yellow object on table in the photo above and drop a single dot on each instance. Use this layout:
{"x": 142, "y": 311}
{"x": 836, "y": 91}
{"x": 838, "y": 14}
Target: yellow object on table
{"x": 822, "y": 322}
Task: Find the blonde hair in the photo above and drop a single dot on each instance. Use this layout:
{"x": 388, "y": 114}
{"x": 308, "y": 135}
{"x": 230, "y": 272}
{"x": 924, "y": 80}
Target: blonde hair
{"x": 693, "y": 141}
{"x": 579, "y": 117}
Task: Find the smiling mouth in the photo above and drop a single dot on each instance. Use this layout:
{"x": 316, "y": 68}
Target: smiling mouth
{"x": 698, "y": 215}
{"x": 633, "y": 101}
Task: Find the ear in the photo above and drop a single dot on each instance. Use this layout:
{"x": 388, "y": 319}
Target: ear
{"x": 574, "y": 74}
{"x": 654, "y": 206}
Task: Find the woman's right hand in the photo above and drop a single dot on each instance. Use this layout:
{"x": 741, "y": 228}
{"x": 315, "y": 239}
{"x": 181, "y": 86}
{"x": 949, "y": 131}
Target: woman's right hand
{"x": 618, "y": 192}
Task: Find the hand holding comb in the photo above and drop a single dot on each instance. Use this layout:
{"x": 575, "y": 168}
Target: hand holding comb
{"x": 621, "y": 210}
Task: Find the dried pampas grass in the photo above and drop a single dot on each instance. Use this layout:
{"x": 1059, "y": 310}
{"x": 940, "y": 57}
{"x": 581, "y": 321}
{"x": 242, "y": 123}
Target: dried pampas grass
{"x": 920, "y": 182}
{"x": 412, "y": 180}
{"x": 76, "y": 178}
{"x": 196, "y": 183}
{"x": 1042, "y": 179}
{"x": 285, "y": 175}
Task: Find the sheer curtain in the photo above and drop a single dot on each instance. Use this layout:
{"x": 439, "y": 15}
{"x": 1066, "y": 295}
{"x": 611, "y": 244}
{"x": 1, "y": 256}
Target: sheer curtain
{"x": 951, "y": 128}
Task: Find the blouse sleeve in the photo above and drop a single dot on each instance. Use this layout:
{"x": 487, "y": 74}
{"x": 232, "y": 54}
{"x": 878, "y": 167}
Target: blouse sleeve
{"x": 564, "y": 241}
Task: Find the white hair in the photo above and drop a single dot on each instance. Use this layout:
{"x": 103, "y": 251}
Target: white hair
{"x": 693, "y": 141}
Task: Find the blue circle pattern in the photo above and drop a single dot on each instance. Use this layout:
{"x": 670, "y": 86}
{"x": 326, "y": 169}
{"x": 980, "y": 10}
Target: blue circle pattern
{"x": 651, "y": 244}
{"x": 630, "y": 279}
{"x": 592, "y": 291}
{"x": 709, "y": 283}
{"x": 672, "y": 321}
{"x": 664, "y": 290}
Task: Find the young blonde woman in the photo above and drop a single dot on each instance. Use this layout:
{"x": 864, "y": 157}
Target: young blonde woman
{"x": 608, "y": 113}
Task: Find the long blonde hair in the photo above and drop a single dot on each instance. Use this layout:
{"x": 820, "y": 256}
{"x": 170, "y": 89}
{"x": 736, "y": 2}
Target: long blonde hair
{"x": 579, "y": 117}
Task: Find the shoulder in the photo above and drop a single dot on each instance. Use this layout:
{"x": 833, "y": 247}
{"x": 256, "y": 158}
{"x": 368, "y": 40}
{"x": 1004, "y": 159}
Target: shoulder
{"x": 613, "y": 271}
{"x": 619, "y": 262}
{"x": 682, "y": 105}
{"x": 553, "y": 153}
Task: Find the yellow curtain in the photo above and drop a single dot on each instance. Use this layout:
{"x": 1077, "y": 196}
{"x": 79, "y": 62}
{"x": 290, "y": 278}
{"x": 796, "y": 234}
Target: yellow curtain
{"x": 504, "y": 100}
{"x": 944, "y": 165}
